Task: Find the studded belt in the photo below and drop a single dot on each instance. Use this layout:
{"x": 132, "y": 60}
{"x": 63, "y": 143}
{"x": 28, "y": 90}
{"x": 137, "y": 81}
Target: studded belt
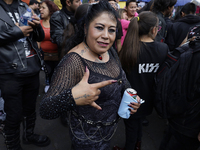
{"x": 94, "y": 123}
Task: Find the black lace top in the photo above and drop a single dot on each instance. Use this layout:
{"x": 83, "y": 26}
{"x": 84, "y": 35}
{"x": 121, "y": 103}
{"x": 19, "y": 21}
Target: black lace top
{"x": 59, "y": 99}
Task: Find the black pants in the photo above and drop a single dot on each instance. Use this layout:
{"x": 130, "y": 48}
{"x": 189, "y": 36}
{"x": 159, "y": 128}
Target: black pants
{"x": 19, "y": 94}
{"x": 51, "y": 65}
{"x": 174, "y": 140}
{"x": 133, "y": 130}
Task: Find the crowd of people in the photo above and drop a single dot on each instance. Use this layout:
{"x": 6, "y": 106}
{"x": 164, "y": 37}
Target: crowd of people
{"x": 91, "y": 53}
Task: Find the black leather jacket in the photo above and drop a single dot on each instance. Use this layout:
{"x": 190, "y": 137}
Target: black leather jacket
{"x": 12, "y": 53}
{"x": 58, "y": 22}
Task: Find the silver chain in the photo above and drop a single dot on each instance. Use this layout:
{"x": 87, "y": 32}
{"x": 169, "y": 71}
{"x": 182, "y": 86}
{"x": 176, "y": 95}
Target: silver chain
{"x": 89, "y": 137}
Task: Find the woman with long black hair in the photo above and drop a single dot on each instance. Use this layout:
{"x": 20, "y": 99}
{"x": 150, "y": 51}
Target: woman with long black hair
{"x": 141, "y": 57}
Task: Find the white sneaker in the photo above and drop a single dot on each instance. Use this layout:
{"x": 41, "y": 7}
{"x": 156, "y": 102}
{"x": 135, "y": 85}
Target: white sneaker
{"x": 46, "y": 88}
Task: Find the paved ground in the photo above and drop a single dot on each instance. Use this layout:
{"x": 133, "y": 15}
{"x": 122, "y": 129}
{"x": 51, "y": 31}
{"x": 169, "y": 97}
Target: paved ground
{"x": 59, "y": 136}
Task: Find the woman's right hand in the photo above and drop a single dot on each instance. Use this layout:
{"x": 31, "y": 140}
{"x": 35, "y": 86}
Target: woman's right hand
{"x": 86, "y": 94}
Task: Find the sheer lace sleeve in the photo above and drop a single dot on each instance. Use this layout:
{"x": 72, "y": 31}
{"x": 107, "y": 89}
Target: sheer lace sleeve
{"x": 59, "y": 99}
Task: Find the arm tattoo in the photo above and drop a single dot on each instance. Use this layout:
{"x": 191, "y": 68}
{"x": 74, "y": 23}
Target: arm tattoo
{"x": 84, "y": 96}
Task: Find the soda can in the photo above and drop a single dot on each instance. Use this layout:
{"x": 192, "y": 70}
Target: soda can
{"x": 131, "y": 92}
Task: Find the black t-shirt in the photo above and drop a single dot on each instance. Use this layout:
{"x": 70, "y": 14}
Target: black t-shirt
{"x": 141, "y": 76}
{"x": 12, "y": 10}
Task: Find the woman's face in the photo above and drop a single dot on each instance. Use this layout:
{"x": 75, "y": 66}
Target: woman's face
{"x": 124, "y": 15}
{"x": 44, "y": 11}
{"x": 101, "y": 33}
{"x": 131, "y": 9}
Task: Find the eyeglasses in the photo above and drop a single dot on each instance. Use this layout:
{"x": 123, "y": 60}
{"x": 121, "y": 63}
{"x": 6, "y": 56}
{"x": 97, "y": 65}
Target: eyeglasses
{"x": 159, "y": 28}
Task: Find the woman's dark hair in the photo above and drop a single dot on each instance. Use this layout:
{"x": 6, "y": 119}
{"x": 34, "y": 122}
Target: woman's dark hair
{"x": 162, "y": 5}
{"x": 189, "y": 8}
{"x": 51, "y": 6}
{"x": 81, "y": 11}
{"x": 141, "y": 25}
{"x": 129, "y": 1}
{"x": 94, "y": 11}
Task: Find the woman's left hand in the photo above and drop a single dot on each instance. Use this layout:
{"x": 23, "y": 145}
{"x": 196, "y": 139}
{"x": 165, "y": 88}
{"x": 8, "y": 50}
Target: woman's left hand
{"x": 134, "y": 105}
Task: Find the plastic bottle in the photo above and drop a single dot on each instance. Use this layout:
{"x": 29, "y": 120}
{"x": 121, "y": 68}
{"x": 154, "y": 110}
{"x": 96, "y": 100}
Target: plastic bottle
{"x": 24, "y": 22}
{"x": 25, "y": 17}
{"x": 2, "y": 113}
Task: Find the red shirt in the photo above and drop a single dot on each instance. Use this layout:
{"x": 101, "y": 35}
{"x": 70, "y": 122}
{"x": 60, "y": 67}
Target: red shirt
{"x": 46, "y": 44}
{"x": 26, "y": 1}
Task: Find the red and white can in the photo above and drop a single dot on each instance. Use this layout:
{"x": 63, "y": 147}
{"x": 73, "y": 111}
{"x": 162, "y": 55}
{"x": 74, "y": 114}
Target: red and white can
{"x": 131, "y": 92}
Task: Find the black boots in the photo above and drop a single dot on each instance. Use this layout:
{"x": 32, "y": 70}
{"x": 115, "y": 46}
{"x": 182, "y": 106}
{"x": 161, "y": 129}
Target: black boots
{"x": 28, "y": 133}
{"x": 12, "y": 137}
{"x": 12, "y": 140}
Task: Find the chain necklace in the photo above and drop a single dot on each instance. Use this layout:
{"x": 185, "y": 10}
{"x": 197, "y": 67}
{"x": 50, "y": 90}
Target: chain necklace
{"x": 99, "y": 56}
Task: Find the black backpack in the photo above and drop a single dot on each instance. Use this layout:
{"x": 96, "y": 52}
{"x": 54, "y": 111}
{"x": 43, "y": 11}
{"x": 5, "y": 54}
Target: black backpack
{"x": 171, "y": 83}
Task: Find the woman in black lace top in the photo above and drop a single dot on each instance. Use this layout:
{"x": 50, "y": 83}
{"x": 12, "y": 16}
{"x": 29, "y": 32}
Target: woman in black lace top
{"x": 77, "y": 86}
